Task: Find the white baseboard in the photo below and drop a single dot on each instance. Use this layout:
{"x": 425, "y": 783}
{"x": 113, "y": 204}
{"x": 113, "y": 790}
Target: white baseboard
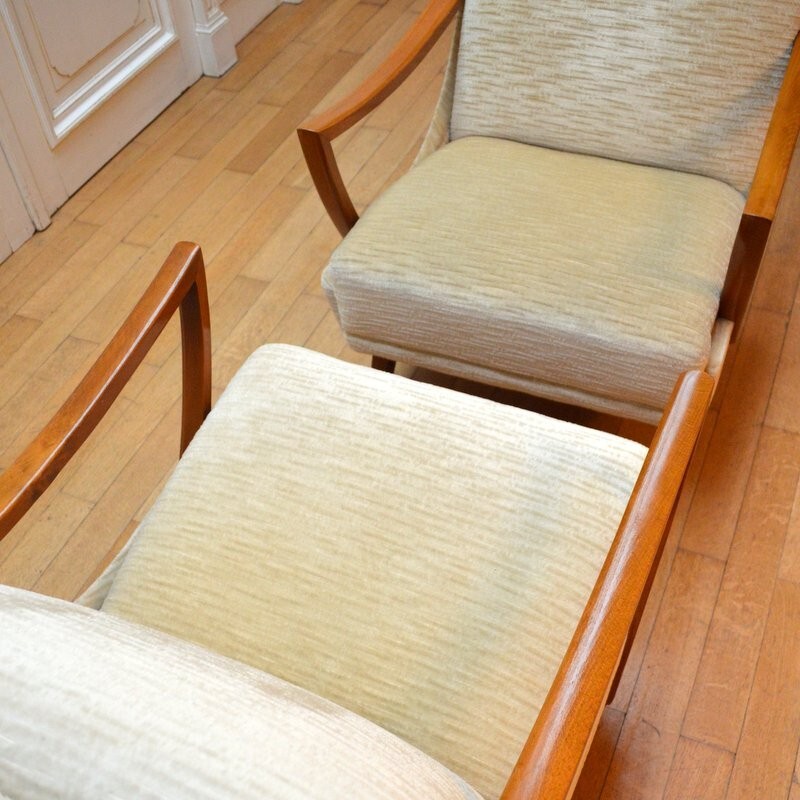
{"x": 216, "y": 45}
{"x": 244, "y": 15}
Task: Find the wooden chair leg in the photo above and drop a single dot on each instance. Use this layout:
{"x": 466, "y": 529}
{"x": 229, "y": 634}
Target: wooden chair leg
{"x": 383, "y": 364}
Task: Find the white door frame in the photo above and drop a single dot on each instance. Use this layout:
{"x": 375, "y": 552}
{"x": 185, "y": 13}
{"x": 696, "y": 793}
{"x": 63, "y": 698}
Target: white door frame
{"x": 21, "y": 180}
{"x": 16, "y": 225}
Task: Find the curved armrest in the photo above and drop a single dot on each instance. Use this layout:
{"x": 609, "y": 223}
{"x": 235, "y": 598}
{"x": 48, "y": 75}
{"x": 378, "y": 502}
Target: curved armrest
{"x": 317, "y": 133}
{"x": 181, "y": 282}
{"x": 550, "y": 763}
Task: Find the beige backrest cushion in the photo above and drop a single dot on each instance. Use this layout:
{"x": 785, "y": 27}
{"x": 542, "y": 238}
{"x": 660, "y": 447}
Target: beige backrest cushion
{"x": 417, "y": 555}
{"x": 92, "y": 707}
{"x": 684, "y": 84}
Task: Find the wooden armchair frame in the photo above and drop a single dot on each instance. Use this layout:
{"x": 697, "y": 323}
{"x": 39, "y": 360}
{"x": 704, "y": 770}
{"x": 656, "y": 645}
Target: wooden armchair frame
{"x": 317, "y": 134}
{"x": 179, "y": 284}
{"x": 551, "y": 760}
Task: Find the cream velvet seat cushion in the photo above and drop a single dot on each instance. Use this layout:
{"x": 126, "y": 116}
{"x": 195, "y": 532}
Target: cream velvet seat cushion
{"x": 94, "y": 707}
{"x": 419, "y": 556}
{"x": 535, "y": 269}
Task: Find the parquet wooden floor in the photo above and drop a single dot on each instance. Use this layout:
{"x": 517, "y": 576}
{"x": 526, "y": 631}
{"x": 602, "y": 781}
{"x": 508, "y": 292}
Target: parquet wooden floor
{"x": 709, "y": 706}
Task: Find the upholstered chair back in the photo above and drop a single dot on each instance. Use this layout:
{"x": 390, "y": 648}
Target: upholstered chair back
{"x": 683, "y": 84}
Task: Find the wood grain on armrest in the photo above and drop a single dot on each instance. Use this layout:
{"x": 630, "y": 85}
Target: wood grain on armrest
{"x": 317, "y": 133}
{"x": 779, "y": 144}
{"x": 748, "y": 250}
{"x": 180, "y": 283}
{"x": 762, "y": 201}
{"x": 550, "y": 763}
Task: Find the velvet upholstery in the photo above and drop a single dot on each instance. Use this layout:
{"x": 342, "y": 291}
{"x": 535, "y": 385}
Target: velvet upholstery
{"x": 688, "y": 86}
{"x": 416, "y": 555}
{"x": 93, "y": 706}
{"x": 500, "y": 261}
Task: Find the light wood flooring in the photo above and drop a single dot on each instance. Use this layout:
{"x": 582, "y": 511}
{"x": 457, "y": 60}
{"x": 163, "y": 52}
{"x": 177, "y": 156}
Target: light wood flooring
{"x": 709, "y": 706}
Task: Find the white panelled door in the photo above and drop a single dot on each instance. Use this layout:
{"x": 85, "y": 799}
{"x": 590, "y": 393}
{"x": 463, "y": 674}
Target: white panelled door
{"x": 79, "y": 78}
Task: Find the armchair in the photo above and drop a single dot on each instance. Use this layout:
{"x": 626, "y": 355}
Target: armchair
{"x": 587, "y": 214}
{"x": 464, "y": 584}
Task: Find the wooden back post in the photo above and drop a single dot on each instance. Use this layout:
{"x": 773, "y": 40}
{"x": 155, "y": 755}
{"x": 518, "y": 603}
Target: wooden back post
{"x": 765, "y": 193}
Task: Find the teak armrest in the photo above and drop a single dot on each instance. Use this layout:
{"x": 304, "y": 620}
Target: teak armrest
{"x": 550, "y": 763}
{"x": 317, "y": 133}
{"x": 180, "y": 283}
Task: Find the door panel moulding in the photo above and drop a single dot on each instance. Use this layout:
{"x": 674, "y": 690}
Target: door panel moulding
{"x": 71, "y": 65}
{"x": 63, "y": 101}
